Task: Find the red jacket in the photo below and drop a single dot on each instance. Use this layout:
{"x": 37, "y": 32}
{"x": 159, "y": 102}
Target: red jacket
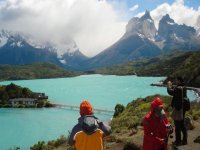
{"x": 154, "y": 132}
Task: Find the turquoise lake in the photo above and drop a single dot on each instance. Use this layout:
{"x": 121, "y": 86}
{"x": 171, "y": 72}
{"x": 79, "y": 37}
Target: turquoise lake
{"x": 25, "y": 127}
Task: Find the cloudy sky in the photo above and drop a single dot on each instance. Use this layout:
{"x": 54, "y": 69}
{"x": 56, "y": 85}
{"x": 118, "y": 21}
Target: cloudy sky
{"x": 93, "y": 24}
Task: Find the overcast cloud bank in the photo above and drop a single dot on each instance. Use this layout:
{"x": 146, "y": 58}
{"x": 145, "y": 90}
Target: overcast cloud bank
{"x": 93, "y": 24}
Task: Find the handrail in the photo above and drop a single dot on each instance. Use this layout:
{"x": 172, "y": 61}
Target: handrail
{"x": 73, "y": 107}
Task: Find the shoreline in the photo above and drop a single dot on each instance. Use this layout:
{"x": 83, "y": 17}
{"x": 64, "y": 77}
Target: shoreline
{"x": 196, "y": 90}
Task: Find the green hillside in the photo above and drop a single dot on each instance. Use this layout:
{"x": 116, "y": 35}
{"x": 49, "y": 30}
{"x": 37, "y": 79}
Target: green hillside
{"x": 186, "y": 65}
{"x": 127, "y": 125}
{"x": 33, "y": 71}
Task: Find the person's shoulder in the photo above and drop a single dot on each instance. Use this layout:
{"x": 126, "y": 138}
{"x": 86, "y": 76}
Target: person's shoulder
{"x": 77, "y": 127}
{"x": 147, "y": 116}
{"x": 147, "y": 119}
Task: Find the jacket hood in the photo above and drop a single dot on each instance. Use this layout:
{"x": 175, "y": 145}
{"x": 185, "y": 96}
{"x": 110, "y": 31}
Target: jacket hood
{"x": 156, "y": 103}
{"x": 157, "y": 108}
{"x": 89, "y": 124}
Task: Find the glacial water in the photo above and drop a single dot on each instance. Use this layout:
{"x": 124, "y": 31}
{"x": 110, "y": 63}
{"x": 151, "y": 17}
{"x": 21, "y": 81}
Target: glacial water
{"x": 25, "y": 127}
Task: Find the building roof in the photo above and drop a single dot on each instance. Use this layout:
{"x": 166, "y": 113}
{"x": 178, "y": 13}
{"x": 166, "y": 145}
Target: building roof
{"x": 22, "y": 99}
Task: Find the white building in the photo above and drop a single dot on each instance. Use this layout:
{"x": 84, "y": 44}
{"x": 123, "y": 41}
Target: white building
{"x": 24, "y": 101}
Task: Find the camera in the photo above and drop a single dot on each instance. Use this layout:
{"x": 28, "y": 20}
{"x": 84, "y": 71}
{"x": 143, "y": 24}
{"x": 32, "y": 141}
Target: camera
{"x": 170, "y": 130}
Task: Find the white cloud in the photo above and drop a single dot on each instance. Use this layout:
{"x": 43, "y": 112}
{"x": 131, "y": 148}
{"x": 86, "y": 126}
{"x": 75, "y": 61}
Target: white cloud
{"x": 94, "y": 25}
{"x": 198, "y": 22}
{"x": 134, "y": 7}
{"x": 180, "y": 2}
{"x": 178, "y": 11}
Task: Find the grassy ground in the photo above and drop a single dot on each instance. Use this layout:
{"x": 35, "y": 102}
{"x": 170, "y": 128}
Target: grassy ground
{"x": 128, "y": 132}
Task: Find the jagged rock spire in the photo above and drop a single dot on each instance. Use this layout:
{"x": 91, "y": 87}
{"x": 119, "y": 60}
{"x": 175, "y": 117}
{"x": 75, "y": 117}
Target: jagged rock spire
{"x": 167, "y": 18}
{"x": 146, "y": 16}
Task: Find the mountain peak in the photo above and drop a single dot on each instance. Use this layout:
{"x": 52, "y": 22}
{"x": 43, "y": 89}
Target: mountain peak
{"x": 143, "y": 27}
{"x": 167, "y": 19}
{"x": 146, "y": 16}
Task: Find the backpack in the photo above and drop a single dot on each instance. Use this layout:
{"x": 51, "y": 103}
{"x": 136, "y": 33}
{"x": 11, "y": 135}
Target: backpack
{"x": 186, "y": 103}
{"x": 89, "y": 124}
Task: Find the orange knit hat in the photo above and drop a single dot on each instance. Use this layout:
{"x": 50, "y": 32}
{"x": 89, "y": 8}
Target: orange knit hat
{"x": 86, "y": 108}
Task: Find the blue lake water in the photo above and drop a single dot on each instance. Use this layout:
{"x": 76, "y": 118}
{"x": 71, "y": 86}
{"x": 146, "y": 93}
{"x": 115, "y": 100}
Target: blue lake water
{"x": 25, "y": 127}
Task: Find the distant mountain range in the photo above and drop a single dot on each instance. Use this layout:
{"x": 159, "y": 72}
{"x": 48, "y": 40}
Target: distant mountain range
{"x": 17, "y": 49}
{"x": 141, "y": 40}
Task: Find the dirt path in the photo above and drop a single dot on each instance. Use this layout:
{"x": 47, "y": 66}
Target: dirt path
{"x": 192, "y": 134}
{"x": 138, "y": 139}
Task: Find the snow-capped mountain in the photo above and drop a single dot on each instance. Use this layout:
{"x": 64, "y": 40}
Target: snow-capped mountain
{"x": 144, "y": 27}
{"x": 177, "y": 36}
{"x": 143, "y": 40}
{"x": 17, "y": 48}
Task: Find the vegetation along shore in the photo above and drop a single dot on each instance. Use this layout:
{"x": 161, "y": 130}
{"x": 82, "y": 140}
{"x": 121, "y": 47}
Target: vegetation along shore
{"x": 14, "y": 96}
{"x": 186, "y": 65}
{"x": 42, "y": 70}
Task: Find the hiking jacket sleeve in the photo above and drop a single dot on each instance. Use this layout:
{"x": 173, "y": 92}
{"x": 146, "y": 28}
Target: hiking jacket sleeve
{"x": 105, "y": 128}
{"x": 170, "y": 91}
{"x": 178, "y": 93}
{"x": 71, "y": 139}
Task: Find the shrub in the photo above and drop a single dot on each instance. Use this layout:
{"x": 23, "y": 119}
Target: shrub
{"x": 119, "y": 108}
{"x": 7, "y": 106}
{"x": 131, "y": 146}
{"x": 39, "y": 146}
{"x": 20, "y": 106}
{"x": 197, "y": 140}
{"x": 40, "y": 104}
{"x": 48, "y": 104}
{"x": 134, "y": 113}
{"x": 60, "y": 141}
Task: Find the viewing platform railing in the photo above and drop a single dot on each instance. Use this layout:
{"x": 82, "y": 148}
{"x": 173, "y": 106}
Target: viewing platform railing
{"x": 96, "y": 110}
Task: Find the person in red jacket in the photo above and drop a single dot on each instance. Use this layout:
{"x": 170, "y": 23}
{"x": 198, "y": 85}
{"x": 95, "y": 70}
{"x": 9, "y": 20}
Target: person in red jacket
{"x": 156, "y": 127}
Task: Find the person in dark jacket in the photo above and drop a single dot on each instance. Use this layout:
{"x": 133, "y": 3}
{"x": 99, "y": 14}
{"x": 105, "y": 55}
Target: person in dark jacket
{"x": 88, "y": 134}
{"x": 178, "y": 91}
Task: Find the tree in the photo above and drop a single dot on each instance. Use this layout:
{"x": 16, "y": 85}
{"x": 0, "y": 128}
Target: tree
{"x": 26, "y": 92}
{"x": 119, "y": 108}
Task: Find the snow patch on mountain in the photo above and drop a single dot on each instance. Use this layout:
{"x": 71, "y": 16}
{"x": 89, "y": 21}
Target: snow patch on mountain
{"x": 150, "y": 20}
{"x": 170, "y": 23}
{"x": 17, "y": 44}
{"x": 141, "y": 35}
{"x": 3, "y": 37}
{"x": 35, "y": 44}
{"x": 63, "y": 61}
{"x": 3, "y": 40}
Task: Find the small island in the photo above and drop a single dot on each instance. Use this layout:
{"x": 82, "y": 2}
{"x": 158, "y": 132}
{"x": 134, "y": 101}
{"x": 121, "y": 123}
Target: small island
{"x": 14, "y": 96}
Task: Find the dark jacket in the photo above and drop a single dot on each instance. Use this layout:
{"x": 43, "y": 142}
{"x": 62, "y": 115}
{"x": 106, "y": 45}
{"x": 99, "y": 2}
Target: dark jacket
{"x": 88, "y": 133}
{"x": 178, "y": 93}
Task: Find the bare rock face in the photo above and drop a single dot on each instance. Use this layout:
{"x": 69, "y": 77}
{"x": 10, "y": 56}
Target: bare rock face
{"x": 143, "y": 26}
